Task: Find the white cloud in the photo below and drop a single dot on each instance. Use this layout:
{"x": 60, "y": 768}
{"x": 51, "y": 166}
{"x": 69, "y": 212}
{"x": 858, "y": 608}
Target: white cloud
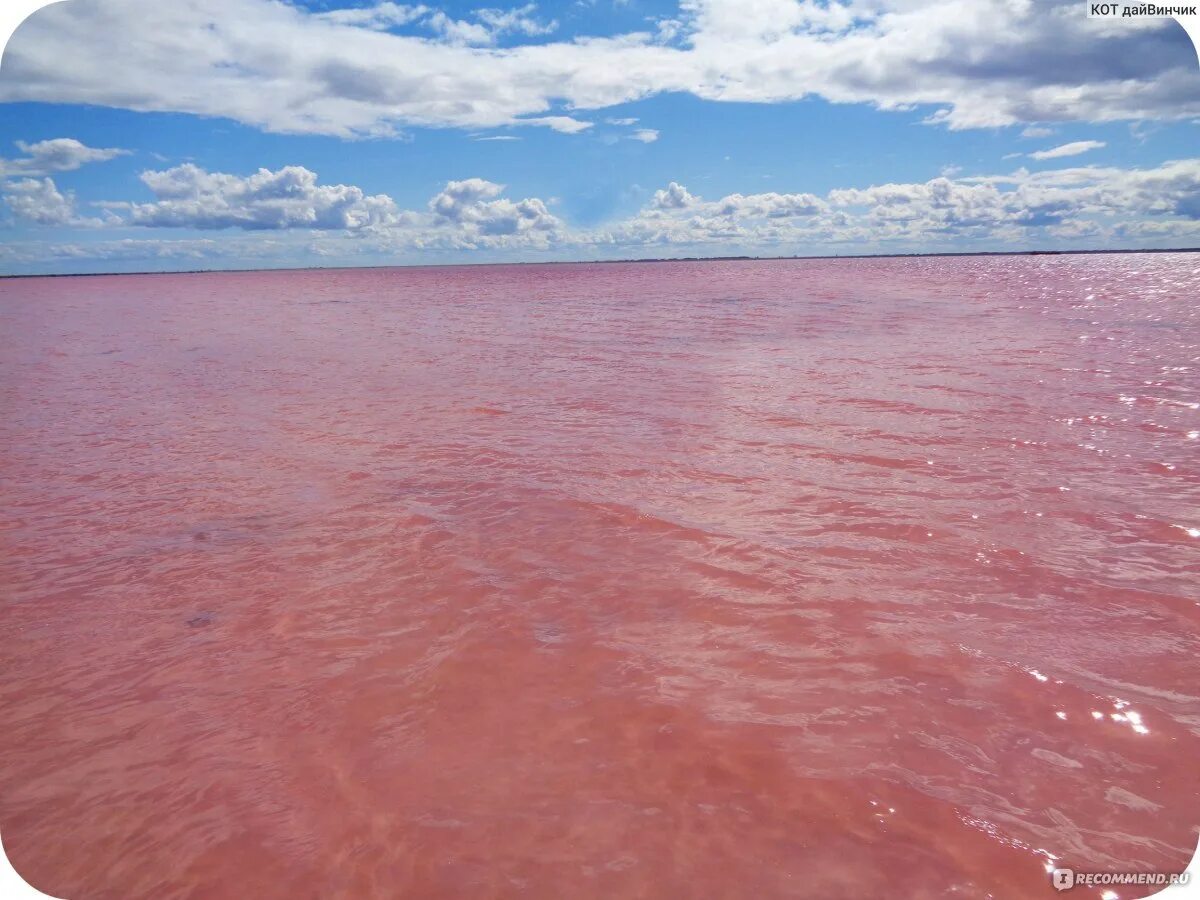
{"x": 1036, "y": 131}
{"x": 625, "y": 121}
{"x": 645, "y": 135}
{"x": 1088, "y": 206}
{"x": 490, "y": 24}
{"x": 55, "y": 155}
{"x": 472, "y": 205}
{"x": 380, "y": 16}
{"x": 188, "y": 196}
{"x": 460, "y": 31}
{"x": 142, "y": 254}
{"x": 1080, "y": 206}
{"x": 281, "y": 68}
{"x": 465, "y": 214}
{"x": 674, "y": 196}
{"x": 769, "y": 206}
{"x": 515, "y": 21}
{"x": 1072, "y": 149}
{"x": 564, "y": 124}
{"x": 1159, "y": 230}
{"x": 38, "y": 201}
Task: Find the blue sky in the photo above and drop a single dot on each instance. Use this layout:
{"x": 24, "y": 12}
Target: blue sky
{"x": 138, "y": 135}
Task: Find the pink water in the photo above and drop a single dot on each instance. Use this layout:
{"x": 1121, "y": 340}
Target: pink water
{"x": 737, "y": 579}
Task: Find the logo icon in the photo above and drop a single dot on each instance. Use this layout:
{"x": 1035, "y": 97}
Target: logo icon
{"x": 1062, "y": 879}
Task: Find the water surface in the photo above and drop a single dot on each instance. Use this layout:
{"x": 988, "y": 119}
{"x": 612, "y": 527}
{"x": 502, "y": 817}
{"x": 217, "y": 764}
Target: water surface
{"x": 733, "y": 579}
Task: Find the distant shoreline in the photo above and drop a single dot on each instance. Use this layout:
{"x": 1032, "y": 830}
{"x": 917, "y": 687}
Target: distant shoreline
{"x": 584, "y": 262}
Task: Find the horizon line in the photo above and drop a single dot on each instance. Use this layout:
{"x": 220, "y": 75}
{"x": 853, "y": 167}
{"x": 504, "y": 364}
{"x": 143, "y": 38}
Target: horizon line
{"x": 584, "y": 262}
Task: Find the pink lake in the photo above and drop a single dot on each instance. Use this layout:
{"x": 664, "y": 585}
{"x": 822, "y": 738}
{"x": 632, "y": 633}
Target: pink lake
{"x": 842, "y": 578}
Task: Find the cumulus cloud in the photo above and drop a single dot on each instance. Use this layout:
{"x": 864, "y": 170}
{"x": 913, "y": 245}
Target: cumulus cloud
{"x": 674, "y": 196}
{"x": 645, "y": 135}
{"x": 1079, "y": 206}
{"x": 471, "y": 205}
{"x": 463, "y": 215}
{"x": 1072, "y": 149}
{"x": 1085, "y": 206}
{"x": 55, "y": 155}
{"x": 460, "y": 195}
{"x": 283, "y": 68}
{"x": 38, "y": 201}
{"x": 188, "y": 196}
{"x": 768, "y": 206}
